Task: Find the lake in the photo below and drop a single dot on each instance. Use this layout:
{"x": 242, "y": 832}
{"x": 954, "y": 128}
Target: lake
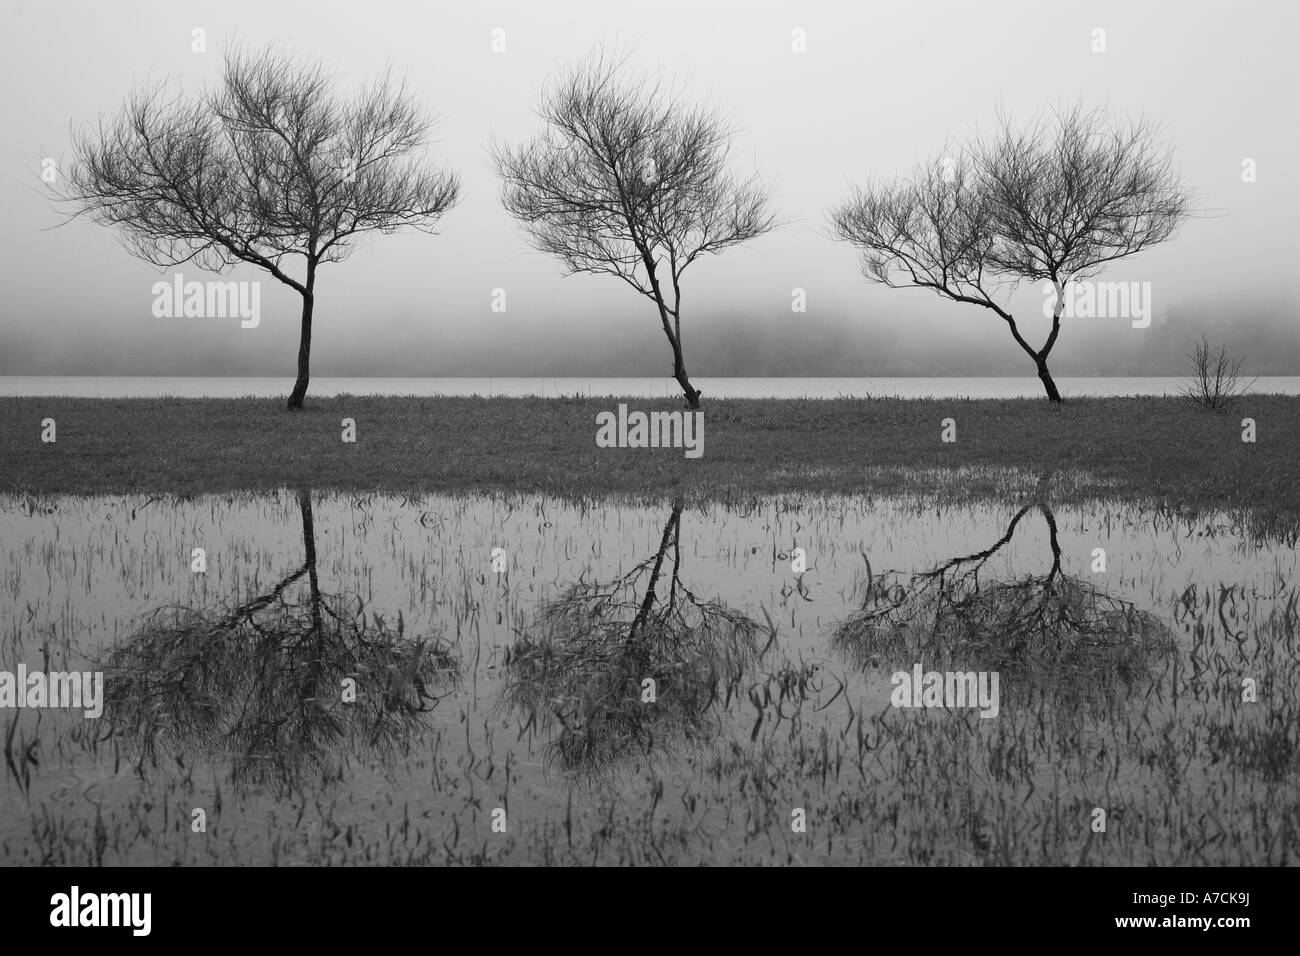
{"x": 353, "y": 678}
{"x": 1028, "y": 387}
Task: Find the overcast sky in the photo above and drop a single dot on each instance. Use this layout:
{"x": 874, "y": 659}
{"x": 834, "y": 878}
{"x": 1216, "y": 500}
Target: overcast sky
{"x": 880, "y": 86}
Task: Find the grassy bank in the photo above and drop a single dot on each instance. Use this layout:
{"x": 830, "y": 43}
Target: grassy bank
{"x": 1161, "y": 448}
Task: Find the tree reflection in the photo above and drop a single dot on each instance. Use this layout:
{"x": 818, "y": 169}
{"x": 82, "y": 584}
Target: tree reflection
{"x": 579, "y": 670}
{"x": 262, "y": 685}
{"x": 1051, "y": 630}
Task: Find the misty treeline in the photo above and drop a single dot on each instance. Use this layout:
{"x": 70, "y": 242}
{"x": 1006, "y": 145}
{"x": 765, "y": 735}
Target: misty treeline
{"x": 625, "y": 177}
{"x": 729, "y": 343}
{"x": 827, "y": 343}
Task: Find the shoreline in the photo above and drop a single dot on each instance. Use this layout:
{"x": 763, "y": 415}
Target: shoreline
{"x": 761, "y": 388}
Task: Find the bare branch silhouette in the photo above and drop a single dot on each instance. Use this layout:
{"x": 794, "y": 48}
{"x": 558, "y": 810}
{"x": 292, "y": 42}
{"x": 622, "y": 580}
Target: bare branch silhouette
{"x": 1216, "y": 381}
{"x": 1054, "y": 202}
{"x": 630, "y": 181}
{"x": 271, "y": 167}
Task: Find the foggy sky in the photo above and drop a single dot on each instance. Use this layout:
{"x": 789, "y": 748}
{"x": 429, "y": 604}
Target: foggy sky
{"x": 880, "y": 86}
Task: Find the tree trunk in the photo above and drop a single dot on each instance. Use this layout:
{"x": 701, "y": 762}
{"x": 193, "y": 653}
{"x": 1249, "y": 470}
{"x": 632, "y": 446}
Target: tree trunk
{"x": 679, "y": 363}
{"x": 1041, "y": 357}
{"x": 675, "y": 340}
{"x": 679, "y": 367}
{"x": 679, "y": 373}
{"x": 679, "y": 358}
{"x": 304, "y": 354}
{"x": 1046, "y": 378}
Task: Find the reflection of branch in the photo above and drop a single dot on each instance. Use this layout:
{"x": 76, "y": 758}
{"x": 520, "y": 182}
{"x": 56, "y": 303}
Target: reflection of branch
{"x": 250, "y": 608}
{"x": 580, "y": 664}
{"x": 671, "y": 529}
{"x": 309, "y": 554}
{"x": 259, "y": 603}
{"x": 981, "y": 557}
{"x": 262, "y": 682}
{"x": 1035, "y": 623}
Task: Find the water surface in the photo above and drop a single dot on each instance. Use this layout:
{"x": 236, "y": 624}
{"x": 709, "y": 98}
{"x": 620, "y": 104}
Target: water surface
{"x": 523, "y": 689}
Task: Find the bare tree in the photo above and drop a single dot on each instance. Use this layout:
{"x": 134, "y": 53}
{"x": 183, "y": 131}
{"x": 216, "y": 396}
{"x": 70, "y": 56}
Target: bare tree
{"x": 628, "y": 180}
{"x": 1216, "y": 380}
{"x": 1054, "y": 203}
{"x": 270, "y": 166}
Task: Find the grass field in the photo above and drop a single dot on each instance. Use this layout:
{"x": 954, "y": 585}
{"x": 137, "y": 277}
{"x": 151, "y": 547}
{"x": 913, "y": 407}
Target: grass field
{"x": 1161, "y": 449}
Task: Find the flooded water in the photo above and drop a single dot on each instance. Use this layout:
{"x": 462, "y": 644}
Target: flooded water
{"x": 533, "y": 680}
